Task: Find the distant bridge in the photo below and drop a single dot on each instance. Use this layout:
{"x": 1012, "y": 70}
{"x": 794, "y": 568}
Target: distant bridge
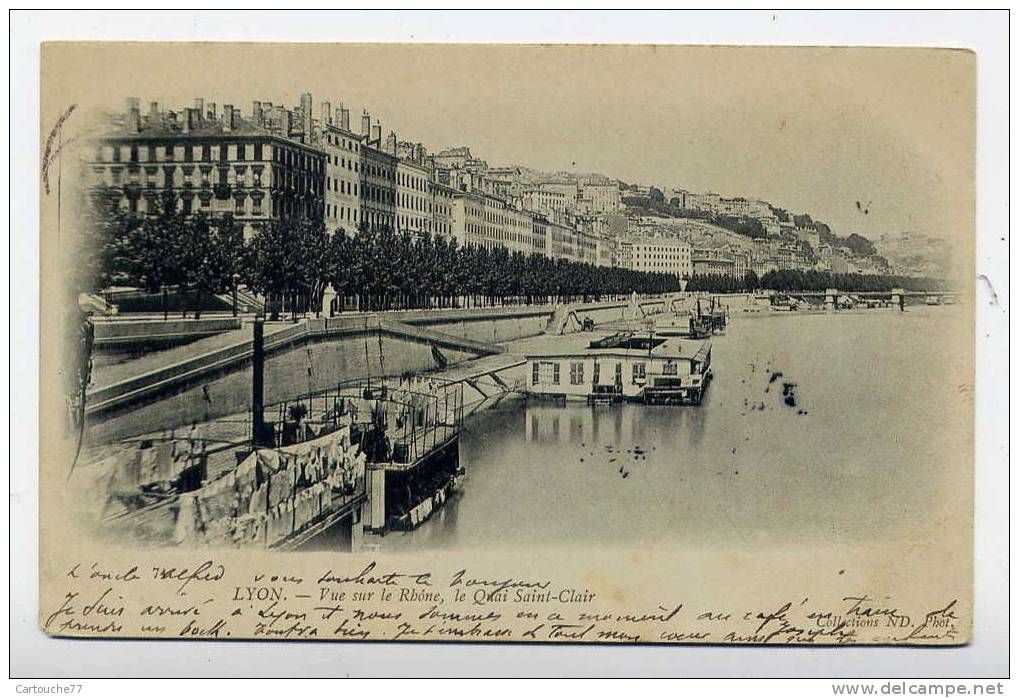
{"x": 895, "y": 296}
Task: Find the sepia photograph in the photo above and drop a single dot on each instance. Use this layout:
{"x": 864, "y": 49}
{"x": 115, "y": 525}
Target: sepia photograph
{"x": 507, "y": 342}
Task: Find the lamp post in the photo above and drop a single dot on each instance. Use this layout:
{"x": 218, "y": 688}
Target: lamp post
{"x": 258, "y": 431}
{"x": 235, "y": 279}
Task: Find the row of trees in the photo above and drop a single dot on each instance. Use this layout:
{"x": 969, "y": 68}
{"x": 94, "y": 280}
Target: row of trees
{"x": 383, "y": 270}
{"x": 291, "y": 263}
{"x": 792, "y": 280}
{"x": 724, "y": 283}
{"x": 810, "y": 280}
{"x": 196, "y": 255}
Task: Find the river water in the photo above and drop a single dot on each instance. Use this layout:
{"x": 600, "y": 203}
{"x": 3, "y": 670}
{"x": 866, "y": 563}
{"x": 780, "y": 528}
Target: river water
{"x": 867, "y": 440}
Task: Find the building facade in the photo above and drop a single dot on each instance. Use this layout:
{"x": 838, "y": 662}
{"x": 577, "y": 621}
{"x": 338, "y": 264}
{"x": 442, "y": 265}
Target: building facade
{"x": 413, "y": 197}
{"x": 712, "y": 261}
{"x": 482, "y": 219}
{"x": 548, "y": 202}
{"x": 343, "y": 170}
{"x": 204, "y": 161}
{"x": 660, "y": 255}
{"x": 598, "y": 196}
{"x": 377, "y": 186}
{"x": 441, "y": 202}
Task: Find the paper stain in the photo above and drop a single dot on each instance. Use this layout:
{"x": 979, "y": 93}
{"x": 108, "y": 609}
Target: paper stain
{"x": 990, "y": 288}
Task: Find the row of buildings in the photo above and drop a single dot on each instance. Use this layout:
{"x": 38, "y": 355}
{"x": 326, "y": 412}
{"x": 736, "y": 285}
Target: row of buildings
{"x": 276, "y": 162}
{"x": 695, "y": 248}
{"x": 677, "y": 256}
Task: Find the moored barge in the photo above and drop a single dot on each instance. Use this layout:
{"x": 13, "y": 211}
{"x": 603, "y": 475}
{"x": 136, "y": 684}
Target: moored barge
{"x": 652, "y": 368}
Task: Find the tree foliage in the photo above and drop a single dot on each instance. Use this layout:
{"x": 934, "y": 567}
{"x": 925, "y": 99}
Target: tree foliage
{"x": 291, "y": 262}
{"x": 811, "y": 280}
{"x": 792, "y": 280}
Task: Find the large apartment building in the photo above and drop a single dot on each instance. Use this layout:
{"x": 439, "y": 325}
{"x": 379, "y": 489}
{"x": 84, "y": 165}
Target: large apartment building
{"x": 489, "y": 221}
{"x": 214, "y": 162}
{"x": 413, "y": 193}
{"x": 343, "y": 169}
{"x": 663, "y": 255}
{"x": 442, "y": 201}
{"x": 378, "y": 179}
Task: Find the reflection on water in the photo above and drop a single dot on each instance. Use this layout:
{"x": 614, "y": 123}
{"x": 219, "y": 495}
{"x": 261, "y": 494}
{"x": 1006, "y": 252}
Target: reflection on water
{"x": 865, "y": 452}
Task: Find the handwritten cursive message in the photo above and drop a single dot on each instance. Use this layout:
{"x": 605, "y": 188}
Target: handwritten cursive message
{"x": 376, "y": 601}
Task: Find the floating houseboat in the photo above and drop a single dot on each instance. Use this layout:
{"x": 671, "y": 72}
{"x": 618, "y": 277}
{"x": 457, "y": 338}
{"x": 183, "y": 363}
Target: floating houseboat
{"x": 651, "y": 368}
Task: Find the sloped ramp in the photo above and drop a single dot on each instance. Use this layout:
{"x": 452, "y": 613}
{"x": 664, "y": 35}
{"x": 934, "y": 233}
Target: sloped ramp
{"x": 563, "y": 321}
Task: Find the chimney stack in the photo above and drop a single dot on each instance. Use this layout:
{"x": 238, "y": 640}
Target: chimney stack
{"x": 199, "y": 108}
{"x": 256, "y": 112}
{"x": 228, "y": 117}
{"x": 153, "y": 113}
{"x": 391, "y": 143}
{"x": 133, "y": 117}
{"x": 377, "y": 134}
{"x": 327, "y": 113}
{"x": 307, "y": 105}
{"x": 212, "y": 114}
{"x": 186, "y": 125}
{"x": 344, "y": 118}
{"x": 279, "y": 115}
{"x": 366, "y": 124}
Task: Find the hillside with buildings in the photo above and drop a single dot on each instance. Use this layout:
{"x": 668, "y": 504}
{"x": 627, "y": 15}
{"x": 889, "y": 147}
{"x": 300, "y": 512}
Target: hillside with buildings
{"x": 275, "y": 163}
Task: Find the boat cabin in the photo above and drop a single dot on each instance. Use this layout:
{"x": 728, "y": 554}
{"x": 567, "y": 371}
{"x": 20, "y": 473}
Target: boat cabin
{"x": 650, "y": 368}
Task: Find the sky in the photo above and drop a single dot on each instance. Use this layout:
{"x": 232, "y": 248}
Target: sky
{"x": 810, "y": 129}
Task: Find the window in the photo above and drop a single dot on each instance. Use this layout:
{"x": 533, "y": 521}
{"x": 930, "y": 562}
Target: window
{"x": 670, "y": 369}
{"x": 240, "y": 151}
{"x": 597, "y": 372}
{"x": 576, "y": 372}
{"x": 619, "y": 373}
{"x": 258, "y": 151}
{"x": 639, "y": 371}
{"x": 555, "y": 373}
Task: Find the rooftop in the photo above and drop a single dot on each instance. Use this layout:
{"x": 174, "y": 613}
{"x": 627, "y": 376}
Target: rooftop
{"x": 624, "y": 344}
{"x": 670, "y": 242}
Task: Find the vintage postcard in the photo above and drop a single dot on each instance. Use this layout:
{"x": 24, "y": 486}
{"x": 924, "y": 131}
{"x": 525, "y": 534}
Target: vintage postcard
{"x": 507, "y": 343}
